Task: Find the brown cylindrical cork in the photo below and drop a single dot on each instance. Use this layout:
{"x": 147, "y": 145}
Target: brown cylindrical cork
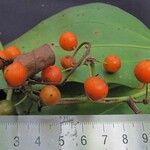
{"x": 37, "y": 59}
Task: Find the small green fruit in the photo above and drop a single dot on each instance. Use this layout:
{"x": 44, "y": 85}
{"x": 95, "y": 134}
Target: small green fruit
{"x": 7, "y": 108}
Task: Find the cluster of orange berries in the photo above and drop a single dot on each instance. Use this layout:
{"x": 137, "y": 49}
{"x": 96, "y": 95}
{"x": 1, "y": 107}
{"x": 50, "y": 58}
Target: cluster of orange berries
{"x": 15, "y": 73}
{"x": 95, "y": 87}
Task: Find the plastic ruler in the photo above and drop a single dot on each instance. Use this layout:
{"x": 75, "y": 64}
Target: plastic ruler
{"x": 92, "y": 132}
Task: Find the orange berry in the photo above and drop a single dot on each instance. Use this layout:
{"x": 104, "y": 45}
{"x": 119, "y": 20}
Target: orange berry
{"x": 68, "y": 41}
{"x": 3, "y": 56}
{"x": 15, "y": 74}
{"x": 12, "y": 52}
{"x": 96, "y": 88}
{"x": 52, "y": 74}
{"x": 68, "y": 62}
{"x": 112, "y": 63}
{"x": 50, "y": 95}
{"x": 142, "y": 71}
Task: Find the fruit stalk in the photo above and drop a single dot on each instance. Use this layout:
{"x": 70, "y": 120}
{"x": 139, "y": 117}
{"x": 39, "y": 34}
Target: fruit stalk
{"x": 82, "y": 59}
{"x": 133, "y": 106}
{"x": 9, "y": 94}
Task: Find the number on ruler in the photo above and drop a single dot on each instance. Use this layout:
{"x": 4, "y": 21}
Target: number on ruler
{"x": 125, "y": 139}
{"x": 83, "y": 140}
{"x": 145, "y": 137}
{"x": 16, "y": 141}
{"x": 38, "y": 141}
{"x": 105, "y": 138}
{"x": 61, "y": 141}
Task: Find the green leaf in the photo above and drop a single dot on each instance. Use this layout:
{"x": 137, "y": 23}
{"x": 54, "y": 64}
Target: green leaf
{"x": 74, "y": 109}
{"x": 108, "y": 28}
{"x": 3, "y": 84}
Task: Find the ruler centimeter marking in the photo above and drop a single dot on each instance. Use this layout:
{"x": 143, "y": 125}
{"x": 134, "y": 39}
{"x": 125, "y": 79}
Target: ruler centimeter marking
{"x": 75, "y": 132}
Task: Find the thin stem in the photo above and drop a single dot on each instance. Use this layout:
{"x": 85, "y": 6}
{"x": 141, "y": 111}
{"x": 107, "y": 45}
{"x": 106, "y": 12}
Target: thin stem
{"x": 107, "y": 100}
{"x": 84, "y": 56}
{"x": 78, "y": 48}
{"x": 101, "y": 62}
{"x": 68, "y": 101}
{"x": 68, "y": 69}
{"x": 90, "y": 70}
{"x": 121, "y": 45}
{"x": 146, "y": 96}
{"x": 64, "y": 102}
{"x": 137, "y": 95}
{"x": 9, "y": 94}
{"x": 39, "y": 82}
{"x": 22, "y": 100}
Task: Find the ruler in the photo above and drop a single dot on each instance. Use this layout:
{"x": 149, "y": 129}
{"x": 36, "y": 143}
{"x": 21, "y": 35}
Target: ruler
{"x": 95, "y": 132}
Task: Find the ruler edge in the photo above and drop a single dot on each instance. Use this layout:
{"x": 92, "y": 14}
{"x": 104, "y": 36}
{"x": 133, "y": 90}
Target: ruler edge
{"x": 59, "y": 119}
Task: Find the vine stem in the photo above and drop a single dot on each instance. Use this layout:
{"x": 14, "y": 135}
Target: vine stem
{"x": 84, "y": 56}
{"x": 9, "y": 94}
{"x": 105, "y": 100}
{"x": 68, "y": 69}
{"x": 90, "y": 69}
{"x": 121, "y": 45}
{"x": 146, "y": 96}
{"x": 22, "y": 100}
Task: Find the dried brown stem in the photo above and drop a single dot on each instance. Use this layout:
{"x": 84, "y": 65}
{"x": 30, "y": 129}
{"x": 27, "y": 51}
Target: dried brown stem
{"x": 133, "y": 106}
{"x": 37, "y": 59}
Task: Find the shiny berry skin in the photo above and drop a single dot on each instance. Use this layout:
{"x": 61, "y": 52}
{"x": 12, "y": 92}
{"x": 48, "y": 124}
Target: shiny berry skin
{"x": 68, "y": 41}
{"x": 15, "y": 74}
{"x": 142, "y": 71}
{"x": 68, "y": 62}
{"x": 96, "y": 88}
{"x": 112, "y": 63}
{"x": 52, "y": 74}
{"x": 3, "y": 56}
{"x": 50, "y": 95}
{"x": 12, "y": 52}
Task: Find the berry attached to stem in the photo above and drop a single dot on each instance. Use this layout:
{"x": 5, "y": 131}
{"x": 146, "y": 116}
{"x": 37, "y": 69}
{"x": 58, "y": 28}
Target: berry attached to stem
{"x": 50, "y": 95}
{"x": 3, "y": 59}
{"x": 15, "y": 74}
{"x": 68, "y": 62}
{"x": 96, "y": 88}
{"x": 52, "y": 74}
{"x": 142, "y": 71}
{"x": 12, "y": 52}
{"x": 68, "y": 41}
